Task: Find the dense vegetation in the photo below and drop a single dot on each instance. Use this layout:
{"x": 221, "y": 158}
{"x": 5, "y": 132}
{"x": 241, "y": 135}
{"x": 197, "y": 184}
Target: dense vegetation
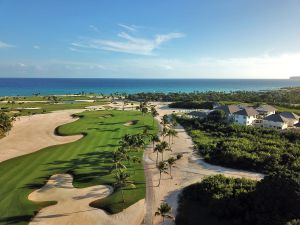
{"x": 217, "y": 200}
{"x": 192, "y": 105}
{"x": 5, "y": 123}
{"x": 90, "y": 160}
{"x": 281, "y": 96}
{"x": 244, "y": 147}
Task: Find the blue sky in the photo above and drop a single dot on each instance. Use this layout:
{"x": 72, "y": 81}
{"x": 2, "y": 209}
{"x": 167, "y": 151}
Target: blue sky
{"x": 150, "y": 39}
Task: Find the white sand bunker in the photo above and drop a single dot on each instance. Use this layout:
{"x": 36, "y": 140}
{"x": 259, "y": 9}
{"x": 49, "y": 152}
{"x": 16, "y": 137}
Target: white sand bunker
{"x": 32, "y": 133}
{"x": 130, "y": 123}
{"x": 73, "y": 208}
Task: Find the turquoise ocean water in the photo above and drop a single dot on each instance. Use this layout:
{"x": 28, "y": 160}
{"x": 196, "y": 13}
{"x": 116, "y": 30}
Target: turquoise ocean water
{"x": 28, "y": 86}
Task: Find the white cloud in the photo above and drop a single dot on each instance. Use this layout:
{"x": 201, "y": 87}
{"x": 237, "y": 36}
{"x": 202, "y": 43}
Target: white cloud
{"x": 36, "y": 47}
{"x": 131, "y": 28}
{"x": 256, "y": 67}
{"x": 129, "y": 43}
{"x": 5, "y": 45}
{"x": 94, "y": 28}
{"x": 280, "y": 66}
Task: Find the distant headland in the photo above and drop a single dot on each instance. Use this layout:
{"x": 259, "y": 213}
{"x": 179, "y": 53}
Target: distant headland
{"x": 295, "y": 78}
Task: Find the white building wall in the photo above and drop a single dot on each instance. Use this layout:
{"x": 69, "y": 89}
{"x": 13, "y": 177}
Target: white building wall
{"x": 272, "y": 124}
{"x": 244, "y": 120}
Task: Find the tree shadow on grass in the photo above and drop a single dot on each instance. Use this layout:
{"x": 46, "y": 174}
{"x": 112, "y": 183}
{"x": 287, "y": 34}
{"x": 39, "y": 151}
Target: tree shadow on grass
{"x": 85, "y": 168}
{"x": 103, "y": 130}
{"x": 15, "y": 219}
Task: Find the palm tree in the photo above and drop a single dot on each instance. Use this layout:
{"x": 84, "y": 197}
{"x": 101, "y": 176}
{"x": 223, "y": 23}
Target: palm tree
{"x": 154, "y": 138}
{"x": 164, "y": 211}
{"x": 162, "y": 167}
{"x": 145, "y": 132}
{"x": 164, "y": 132}
{"x": 165, "y": 120}
{"x": 173, "y": 120}
{"x": 173, "y": 134}
{"x": 117, "y": 160}
{"x": 135, "y": 159}
{"x": 168, "y": 133}
{"x": 122, "y": 180}
{"x": 144, "y": 110}
{"x": 154, "y": 114}
{"x": 164, "y": 147}
{"x": 171, "y": 161}
{"x": 157, "y": 149}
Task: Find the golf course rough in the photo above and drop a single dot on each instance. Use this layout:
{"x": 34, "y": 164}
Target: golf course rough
{"x": 89, "y": 160}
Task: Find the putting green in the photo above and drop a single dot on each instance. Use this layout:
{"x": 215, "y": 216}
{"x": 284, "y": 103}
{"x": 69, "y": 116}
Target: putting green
{"x": 88, "y": 159}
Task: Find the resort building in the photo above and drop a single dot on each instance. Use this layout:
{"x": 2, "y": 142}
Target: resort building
{"x": 276, "y": 121}
{"x": 292, "y": 118}
{"x": 266, "y": 110}
{"x": 246, "y": 116}
{"x": 262, "y": 116}
{"x": 229, "y": 110}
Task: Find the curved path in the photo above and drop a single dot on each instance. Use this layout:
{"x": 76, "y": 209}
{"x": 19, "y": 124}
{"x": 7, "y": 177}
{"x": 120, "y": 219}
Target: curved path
{"x": 73, "y": 208}
{"x": 32, "y": 133}
{"x": 189, "y": 169}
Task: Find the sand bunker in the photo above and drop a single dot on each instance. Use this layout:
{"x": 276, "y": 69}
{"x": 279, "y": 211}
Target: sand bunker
{"x": 73, "y": 208}
{"x": 32, "y": 133}
{"x": 130, "y": 123}
{"x": 28, "y": 108}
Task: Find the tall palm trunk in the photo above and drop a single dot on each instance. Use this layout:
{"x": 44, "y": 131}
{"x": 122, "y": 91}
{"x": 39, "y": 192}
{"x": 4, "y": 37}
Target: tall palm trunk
{"x": 159, "y": 179}
{"x": 156, "y": 157}
{"x": 122, "y": 195}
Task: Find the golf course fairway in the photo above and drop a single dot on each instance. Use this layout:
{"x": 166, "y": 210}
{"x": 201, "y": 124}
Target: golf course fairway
{"x": 89, "y": 160}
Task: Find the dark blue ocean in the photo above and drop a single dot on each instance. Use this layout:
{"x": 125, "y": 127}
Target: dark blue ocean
{"x": 28, "y": 86}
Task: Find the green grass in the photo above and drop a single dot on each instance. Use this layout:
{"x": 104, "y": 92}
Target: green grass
{"x": 46, "y": 107}
{"x": 88, "y": 159}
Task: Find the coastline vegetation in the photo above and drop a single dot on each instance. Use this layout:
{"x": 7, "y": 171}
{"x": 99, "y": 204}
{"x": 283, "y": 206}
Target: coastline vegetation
{"x": 284, "y": 95}
{"x": 243, "y": 147}
{"x": 5, "y": 123}
{"x": 275, "y": 200}
{"x": 285, "y": 99}
{"x": 219, "y": 200}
